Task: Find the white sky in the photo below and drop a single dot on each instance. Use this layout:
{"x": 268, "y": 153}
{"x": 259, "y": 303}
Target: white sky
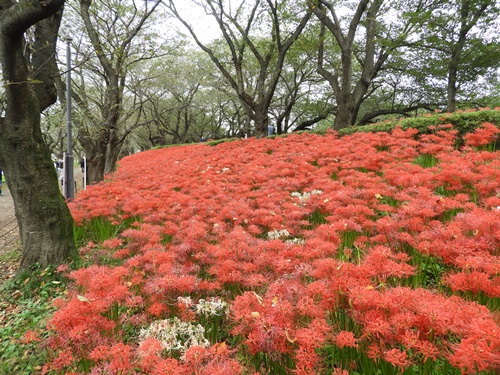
{"x": 204, "y": 25}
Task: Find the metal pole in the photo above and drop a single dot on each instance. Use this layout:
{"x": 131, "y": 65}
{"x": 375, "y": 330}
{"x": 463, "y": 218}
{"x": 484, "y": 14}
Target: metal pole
{"x": 84, "y": 172}
{"x": 68, "y": 163}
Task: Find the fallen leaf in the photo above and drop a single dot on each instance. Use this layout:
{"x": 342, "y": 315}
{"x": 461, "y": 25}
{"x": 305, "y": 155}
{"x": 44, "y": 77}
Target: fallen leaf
{"x": 82, "y": 298}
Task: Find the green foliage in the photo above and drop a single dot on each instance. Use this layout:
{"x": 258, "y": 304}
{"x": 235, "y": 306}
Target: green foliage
{"x": 348, "y": 237}
{"x": 317, "y": 218}
{"x": 268, "y": 364}
{"x": 28, "y": 301}
{"x": 426, "y": 160}
{"x": 219, "y": 141}
{"x": 100, "y": 229}
{"x": 492, "y": 303}
{"x": 449, "y": 215}
{"x": 390, "y": 201}
{"x": 464, "y": 122}
{"x": 429, "y": 271}
{"x": 11, "y": 256}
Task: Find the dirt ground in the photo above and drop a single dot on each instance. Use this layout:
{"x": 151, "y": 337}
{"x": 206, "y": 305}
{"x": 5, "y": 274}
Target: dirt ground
{"x": 9, "y": 236}
{"x": 10, "y": 248}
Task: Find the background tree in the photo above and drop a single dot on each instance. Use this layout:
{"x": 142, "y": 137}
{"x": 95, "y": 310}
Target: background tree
{"x": 367, "y": 34}
{"x": 54, "y": 131}
{"x": 302, "y": 98}
{"x": 114, "y": 41}
{"x": 186, "y": 101}
{"x": 459, "y": 46}
{"x": 246, "y": 33}
{"x": 45, "y": 223}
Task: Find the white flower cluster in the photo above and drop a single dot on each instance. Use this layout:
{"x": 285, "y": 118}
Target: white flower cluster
{"x": 284, "y": 234}
{"x": 276, "y": 234}
{"x": 187, "y": 301}
{"x": 212, "y": 307}
{"x": 175, "y": 335}
{"x": 295, "y": 241}
{"x": 305, "y": 195}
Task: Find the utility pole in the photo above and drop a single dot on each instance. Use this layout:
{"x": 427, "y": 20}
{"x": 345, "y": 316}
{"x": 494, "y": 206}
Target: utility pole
{"x": 69, "y": 188}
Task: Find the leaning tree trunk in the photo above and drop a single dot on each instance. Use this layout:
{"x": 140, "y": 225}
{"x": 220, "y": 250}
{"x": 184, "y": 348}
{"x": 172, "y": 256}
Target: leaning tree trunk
{"x": 45, "y": 223}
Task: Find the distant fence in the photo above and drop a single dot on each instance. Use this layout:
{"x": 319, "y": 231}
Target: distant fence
{"x": 8, "y": 234}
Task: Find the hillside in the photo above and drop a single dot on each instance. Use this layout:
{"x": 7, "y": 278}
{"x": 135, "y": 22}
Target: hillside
{"x": 301, "y": 254}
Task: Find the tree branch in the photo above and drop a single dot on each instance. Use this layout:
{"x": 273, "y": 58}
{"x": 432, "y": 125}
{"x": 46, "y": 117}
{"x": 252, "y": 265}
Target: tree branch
{"x": 16, "y": 18}
{"x": 404, "y": 111}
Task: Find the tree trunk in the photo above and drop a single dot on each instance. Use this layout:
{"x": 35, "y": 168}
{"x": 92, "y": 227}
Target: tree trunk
{"x": 45, "y": 223}
{"x": 95, "y": 165}
{"x": 257, "y": 100}
{"x": 114, "y": 148}
{"x": 452, "y": 91}
{"x": 451, "y": 100}
{"x": 102, "y": 154}
{"x": 95, "y": 150}
{"x": 349, "y": 90}
{"x": 261, "y": 123}
{"x": 470, "y": 13}
{"x": 346, "y": 114}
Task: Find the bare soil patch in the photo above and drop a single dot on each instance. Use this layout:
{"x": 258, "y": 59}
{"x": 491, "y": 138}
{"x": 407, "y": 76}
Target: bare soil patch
{"x": 10, "y": 249}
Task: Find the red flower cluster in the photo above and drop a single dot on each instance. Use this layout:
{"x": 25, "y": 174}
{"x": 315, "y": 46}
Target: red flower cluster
{"x": 289, "y": 231}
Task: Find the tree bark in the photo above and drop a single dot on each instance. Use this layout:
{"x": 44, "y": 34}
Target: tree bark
{"x": 45, "y": 223}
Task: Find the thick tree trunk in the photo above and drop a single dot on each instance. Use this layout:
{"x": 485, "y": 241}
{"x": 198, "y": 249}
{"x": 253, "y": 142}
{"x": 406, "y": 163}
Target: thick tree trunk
{"x": 261, "y": 124}
{"x": 95, "y": 165}
{"x": 95, "y": 150}
{"x": 350, "y": 91}
{"x": 102, "y": 153}
{"x": 45, "y": 223}
{"x": 346, "y": 114}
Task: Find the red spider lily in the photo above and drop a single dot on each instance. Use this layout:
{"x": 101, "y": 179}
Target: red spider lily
{"x": 290, "y": 231}
{"x": 483, "y": 135}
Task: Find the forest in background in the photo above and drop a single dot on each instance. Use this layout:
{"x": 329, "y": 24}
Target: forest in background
{"x": 150, "y": 74}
